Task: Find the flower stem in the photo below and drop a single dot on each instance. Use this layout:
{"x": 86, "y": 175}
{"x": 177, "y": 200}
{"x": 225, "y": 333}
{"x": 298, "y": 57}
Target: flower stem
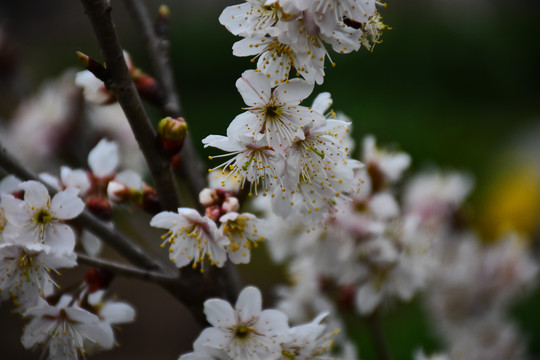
{"x": 126, "y": 270}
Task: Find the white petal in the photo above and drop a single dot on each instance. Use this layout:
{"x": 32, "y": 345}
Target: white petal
{"x": 254, "y": 88}
{"x": 66, "y": 204}
{"x": 293, "y": 92}
{"x": 103, "y": 159}
{"x": 166, "y": 220}
{"x": 35, "y": 194}
{"x": 249, "y": 303}
{"x": 117, "y": 313}
{"x": 219, "y": 313}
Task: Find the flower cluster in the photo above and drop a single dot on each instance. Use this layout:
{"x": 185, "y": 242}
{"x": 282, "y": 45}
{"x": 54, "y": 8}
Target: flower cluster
{"x": 291, "y": 34}
{"x": 35, "y": 238}
{"x": 247, "y": 332}
{"x": 291, "y": 152}
{"x": 193, "y": 237}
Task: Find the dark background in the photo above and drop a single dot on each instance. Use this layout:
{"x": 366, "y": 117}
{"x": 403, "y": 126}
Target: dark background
{"x": 455, "y": 84}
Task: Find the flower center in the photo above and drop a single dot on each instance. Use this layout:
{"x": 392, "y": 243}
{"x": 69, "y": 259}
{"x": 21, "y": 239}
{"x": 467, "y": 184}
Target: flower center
{"x": 273, "y": 112}
{"x": 43, "y": 217}
{"x": 241, "y": 332}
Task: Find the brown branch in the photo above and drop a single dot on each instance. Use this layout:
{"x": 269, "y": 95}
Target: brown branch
{"x": 126, "y": 270}
{"x": 193, "y": 168}
{"x": 99, "y": 13}
{"x": 115, "y": 239}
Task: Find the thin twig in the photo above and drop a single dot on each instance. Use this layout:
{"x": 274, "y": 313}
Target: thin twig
{"x": 192, "y": 166}
{"x": 126, "y": 270}
{"x": 381, "y": 347}
{"x": 99, "y": 13}
{"x": 118, "y": 241}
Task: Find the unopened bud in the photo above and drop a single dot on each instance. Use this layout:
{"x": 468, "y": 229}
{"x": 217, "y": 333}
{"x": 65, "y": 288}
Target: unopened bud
{"x": 95, "y": 67}
{"x": 172, "y": 133}
{"x": 150, "y": 200}
{"x": 98, "y": 279}
{"x": 208, "y": 197}
{"x": 231, "y": 204}
{"x": 162, "y": 22}
{"x": 99, "y": 206}
{"x": 118, "y": 192}
{"x": 147, "y": 87}
{"x": 213, "y": 212}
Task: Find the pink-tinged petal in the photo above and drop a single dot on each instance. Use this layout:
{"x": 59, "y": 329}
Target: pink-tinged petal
{"x": 66, "y": 204}
{"x": 219, "y": 313}
{"x": 249, "y": 303}
{"x": 254, "y": 87}
{"x": 35, "y": 194}
{"x": 117, "y": 313}
{"x": 166, "y": 220}
{"x": 294, "y": 91}
{"x": 103, "y": 159}
{"x": 191, "y": 215}
{"x": 60, "y": 238}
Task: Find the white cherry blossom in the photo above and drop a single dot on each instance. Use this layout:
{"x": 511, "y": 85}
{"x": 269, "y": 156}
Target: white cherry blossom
{"x": 245, "y": 332}
{"x": 39, "y": 220}
{"x": 191, "y": 237}
{"x": 65, "y": 330}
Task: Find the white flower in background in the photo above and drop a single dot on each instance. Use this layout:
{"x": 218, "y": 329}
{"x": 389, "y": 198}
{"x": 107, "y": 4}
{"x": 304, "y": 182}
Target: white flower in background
{"x": 433, "y": 196}
{"x": 245, "y": 332}
{"x": 65, "y": 330}
{"x": 383, "y": 166}
{"x": 94, "y": 90}
{"x": 103, "y": 158}
{"x": 112, "y": 312}
{"x": 420, "y": 355}
{"x": 243, "y": 232}
{"x": 43, "y": 123}
{"x": 25, "y": 272}
{"x": 39, "y": 220}
{"x": 9, "y": 184}
{"x": 191, "y": 237}
{"x": 309, "y": 341}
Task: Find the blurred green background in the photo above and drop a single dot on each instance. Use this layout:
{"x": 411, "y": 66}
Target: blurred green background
{"x": 455, "y": 83}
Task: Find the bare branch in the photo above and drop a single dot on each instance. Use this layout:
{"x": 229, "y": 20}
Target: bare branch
{"x": 118, "y": 241}
{"x": 126, "y": 270}
{"x": 192, "y": 167}
{"x": 99, "y": 13}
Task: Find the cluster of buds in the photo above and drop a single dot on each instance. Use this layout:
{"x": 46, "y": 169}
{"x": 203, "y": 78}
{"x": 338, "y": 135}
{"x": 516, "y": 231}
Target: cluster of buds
{"x": 218, "y": 202}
